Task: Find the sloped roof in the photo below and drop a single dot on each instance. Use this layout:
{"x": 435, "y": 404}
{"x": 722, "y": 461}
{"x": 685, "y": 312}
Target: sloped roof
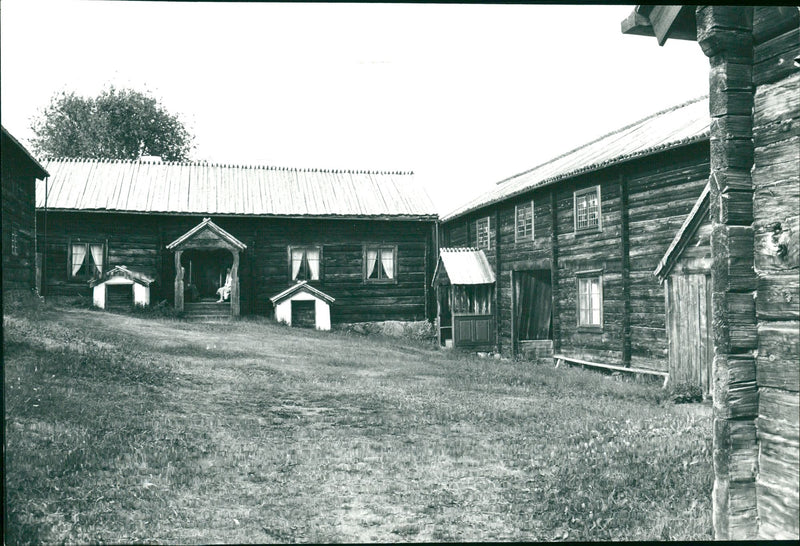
{"x": 208, "y": 225}
{"x": 122, "y": 271}
{"x": 464, "y": 266}
{"x": 35, "y": 168}
{"x": 298, "y": 287}
{"x": 681, "y": 239}
{"x": 205, "y": 188}
{"x": 672, "y": 128}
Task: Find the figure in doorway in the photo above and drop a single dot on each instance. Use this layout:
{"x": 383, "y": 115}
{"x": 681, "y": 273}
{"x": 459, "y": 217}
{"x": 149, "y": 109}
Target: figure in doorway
{"x": 224, "y": 291}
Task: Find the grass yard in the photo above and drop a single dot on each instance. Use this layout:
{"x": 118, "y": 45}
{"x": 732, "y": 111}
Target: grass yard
{"x": 123, "y": 429}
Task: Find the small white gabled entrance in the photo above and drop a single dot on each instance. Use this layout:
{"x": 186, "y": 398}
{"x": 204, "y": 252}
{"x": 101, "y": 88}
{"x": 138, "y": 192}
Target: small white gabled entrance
{"x": 303, "y": 306}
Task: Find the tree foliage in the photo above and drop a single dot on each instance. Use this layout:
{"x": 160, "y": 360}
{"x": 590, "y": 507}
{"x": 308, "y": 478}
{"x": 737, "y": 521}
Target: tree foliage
{"x": 117, "y": 124}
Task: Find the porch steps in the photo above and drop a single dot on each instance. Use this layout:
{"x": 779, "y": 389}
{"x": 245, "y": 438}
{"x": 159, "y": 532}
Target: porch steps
{"x": 207, "y": 311}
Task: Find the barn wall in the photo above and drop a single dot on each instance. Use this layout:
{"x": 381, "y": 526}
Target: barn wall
{"x": 776, "y": 204}
{"x": 138, "y": 242}
{"x": 661, "y": 194}
{"x": 658, "y": 193}
{"x": 18, "y": 201}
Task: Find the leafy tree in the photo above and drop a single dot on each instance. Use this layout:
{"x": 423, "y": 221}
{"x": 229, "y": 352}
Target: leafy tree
{"x": 117, "y": 124}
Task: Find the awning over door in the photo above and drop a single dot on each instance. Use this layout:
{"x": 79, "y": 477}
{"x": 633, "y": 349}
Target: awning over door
{"x": 459, "y": 266}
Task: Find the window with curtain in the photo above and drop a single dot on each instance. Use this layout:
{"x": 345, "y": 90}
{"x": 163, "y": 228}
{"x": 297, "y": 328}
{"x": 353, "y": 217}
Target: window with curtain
{"x": 590, "y": 301}
{"x": 304, "y": 263}
{"x": 523, "y": 215}
{"x": 380, "y": 263}
{"x": 587, "y": 209}
{"x": 482, "y": 239}
{"x": 86, "y": 260}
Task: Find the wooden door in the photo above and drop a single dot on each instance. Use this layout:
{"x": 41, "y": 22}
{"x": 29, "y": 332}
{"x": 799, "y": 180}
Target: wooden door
{"x": 119, "y": 296}
{"x": 690, "y": 347}
{"x": 304, "y": 313}
{"x": 473, "y": 331}
{"x": 533, "y": 305}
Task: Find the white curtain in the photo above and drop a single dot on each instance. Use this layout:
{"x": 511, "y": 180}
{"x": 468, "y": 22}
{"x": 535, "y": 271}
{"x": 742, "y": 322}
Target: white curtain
{"x": 297, "y": 259}
{"x": 97, "y": 256}
{"x": 595, "y": 304}
{"x": 387, "y": 259}
{"x": 372, "y": 260}
{"x": 78, "y": 255}
{"x": 312, "y": 255}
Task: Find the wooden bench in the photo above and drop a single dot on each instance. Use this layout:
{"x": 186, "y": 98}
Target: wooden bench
{"x": 563, "y": 358}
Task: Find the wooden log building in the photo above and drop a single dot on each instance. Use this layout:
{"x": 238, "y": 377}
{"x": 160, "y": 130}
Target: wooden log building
{"x": 365, "y": 239}
{"x": 754, "y": 217}
{"x": 19, "y": 174}
{"x": 574, "y": 242}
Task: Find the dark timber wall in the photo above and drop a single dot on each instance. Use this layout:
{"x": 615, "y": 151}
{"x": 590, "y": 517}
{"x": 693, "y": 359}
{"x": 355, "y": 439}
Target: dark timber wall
{"x": 138, "y": 242}
{"x": 18, "y": 188}
{"x": 776, "y": 226}
{"x": 643, "y": 204}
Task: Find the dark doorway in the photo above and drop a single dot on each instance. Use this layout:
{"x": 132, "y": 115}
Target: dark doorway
{"x": 304, "y": 314}
{"x": 204, "y": 272}
{"x": 119, "y": 296}
{"x": 533, "y": 296}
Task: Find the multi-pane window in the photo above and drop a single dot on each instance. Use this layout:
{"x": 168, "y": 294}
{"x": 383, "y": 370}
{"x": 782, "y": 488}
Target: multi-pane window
{"x": 86, "y": 260}
{"x": 590, "y": 301}
{"x": 380, "y": 263}
{"x": 15, "y": 243}
{"x": 304, "y": 263}
{"x": 482, "y": 238}
{"x": 523, "y": 222}
{"x": 587, "y": 209}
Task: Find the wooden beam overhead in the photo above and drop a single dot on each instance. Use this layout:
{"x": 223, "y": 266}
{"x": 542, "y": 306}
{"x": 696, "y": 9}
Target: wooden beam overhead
{"x": 662, "y": 22}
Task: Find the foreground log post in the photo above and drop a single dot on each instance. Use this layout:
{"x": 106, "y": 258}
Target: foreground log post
{"x": 725, "y": 35}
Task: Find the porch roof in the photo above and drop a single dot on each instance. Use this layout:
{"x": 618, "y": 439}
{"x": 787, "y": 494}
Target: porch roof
{"x": 463, "y": 266}
{"x": 122, "y": 271}
{"x": 301, "y": 286}
{"x": 210, "y": 227}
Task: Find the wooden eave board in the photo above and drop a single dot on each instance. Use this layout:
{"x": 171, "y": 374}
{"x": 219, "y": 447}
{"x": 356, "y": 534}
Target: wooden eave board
{"x": 687, "y": 230}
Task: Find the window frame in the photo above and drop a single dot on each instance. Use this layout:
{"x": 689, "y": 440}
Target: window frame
{"x": 531, "y": 236}
{"x": 588, "y": 275}
{"x": 86, "y": 242}
{"x": 488, "y": 233}
{"x": 289, "y": 250}
{"x": 15, "y": 240}
{"x": 380, "y": 247}
{"x": 577, "y": 194}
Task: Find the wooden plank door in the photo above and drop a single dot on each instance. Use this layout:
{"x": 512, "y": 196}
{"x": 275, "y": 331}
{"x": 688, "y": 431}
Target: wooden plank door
{"x": 689, "y": 330}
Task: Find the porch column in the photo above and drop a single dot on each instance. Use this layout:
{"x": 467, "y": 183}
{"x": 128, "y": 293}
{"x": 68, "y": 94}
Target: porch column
{"x": 235, "y": 284}
{"x": 178, "y": 281}
{"x": 725, "y": 35}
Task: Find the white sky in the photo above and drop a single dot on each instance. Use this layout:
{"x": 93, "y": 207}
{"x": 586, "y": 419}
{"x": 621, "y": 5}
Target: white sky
{"x": 463, "y": 95}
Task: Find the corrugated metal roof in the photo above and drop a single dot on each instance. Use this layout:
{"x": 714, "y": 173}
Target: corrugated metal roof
{"x": 204, "y": 188}
{"x": 465, "y": 266}
{"x": 677, "y": 126}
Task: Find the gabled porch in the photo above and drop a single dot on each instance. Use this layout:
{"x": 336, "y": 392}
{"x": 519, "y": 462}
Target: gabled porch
{"x": 207, "y": 271}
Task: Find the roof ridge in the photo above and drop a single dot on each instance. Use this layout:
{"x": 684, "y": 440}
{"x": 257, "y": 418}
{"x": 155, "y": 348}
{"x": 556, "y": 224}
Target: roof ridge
{"x": 610, "y": 133}
{"x": 67, "y": 159}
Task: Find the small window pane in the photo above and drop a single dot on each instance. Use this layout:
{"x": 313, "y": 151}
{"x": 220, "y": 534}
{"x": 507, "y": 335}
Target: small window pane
{"x": 482, "y": 233}
{"x": 524, "y": 223}
{"x": 587, "y": 209}
{"x": 590, "y": 307}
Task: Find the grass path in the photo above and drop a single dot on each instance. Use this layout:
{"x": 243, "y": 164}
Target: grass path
{"x": 122, "y": 429}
